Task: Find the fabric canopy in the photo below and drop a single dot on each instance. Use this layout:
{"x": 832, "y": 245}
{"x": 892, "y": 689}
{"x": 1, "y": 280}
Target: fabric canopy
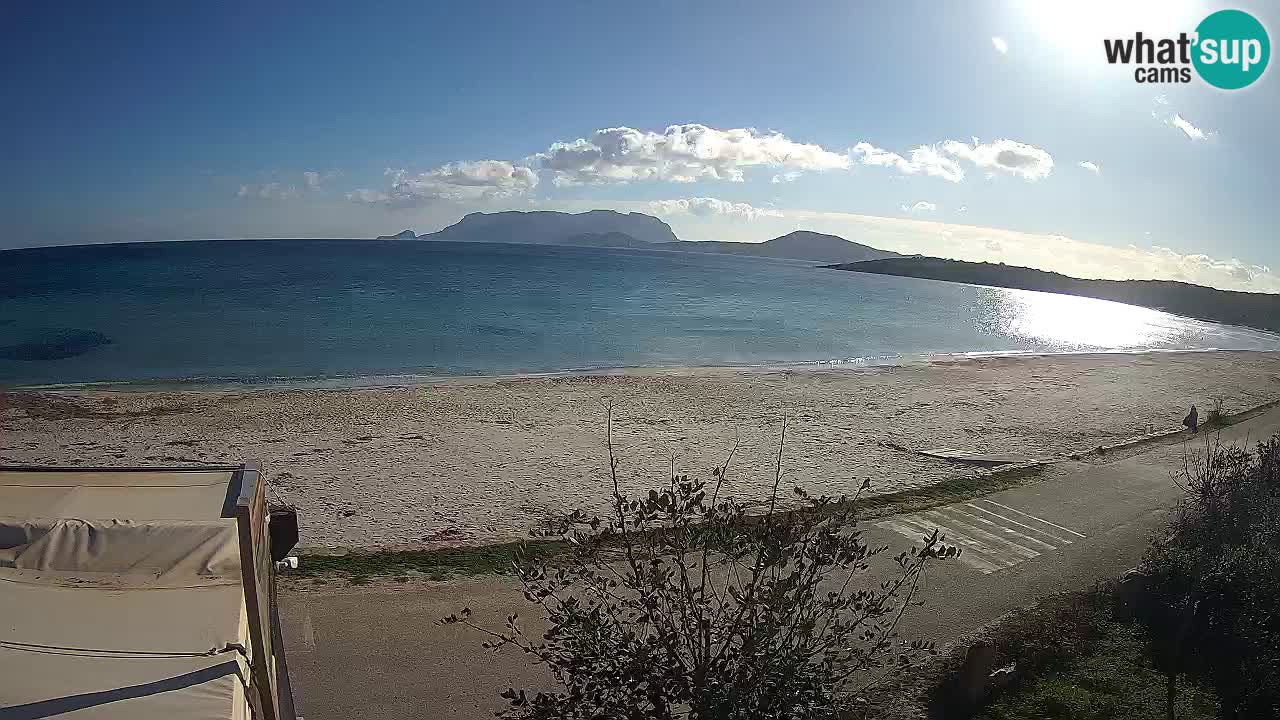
{"x": 121, "y": 597}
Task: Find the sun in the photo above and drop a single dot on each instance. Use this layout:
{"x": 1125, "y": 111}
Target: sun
{"x": 1076, "y": 29}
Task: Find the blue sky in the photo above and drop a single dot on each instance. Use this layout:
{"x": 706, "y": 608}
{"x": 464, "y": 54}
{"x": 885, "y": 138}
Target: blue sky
{"x": 181, "y": 120}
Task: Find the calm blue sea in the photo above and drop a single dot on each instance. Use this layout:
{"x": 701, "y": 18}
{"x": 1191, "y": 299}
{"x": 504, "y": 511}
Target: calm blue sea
{"x": 285, "y": 309}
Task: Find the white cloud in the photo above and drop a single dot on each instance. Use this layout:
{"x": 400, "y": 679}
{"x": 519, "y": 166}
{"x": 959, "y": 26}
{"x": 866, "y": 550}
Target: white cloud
{"x": 706, "y": 206}
{"x": 920, "y": 206}
{"x": 924, "y": 159}
{"x": 943, "y": 160}
{"x": 963, "y": 208}
{"x": 277, "y": 190}
{"x": 1000, "y": 45}
{"x": 269, "y": 191}
{"x": 1090, "y": 166}
{"x": 1185, "y": 126}
{"x": 786, "y": 177}
{"x": 458, "y": 182}
{"x": 681, "y": 153}
{"x": 1176, "y": 121}
{"x": 1026, "y": 161}
{"x": 313, "y": 179}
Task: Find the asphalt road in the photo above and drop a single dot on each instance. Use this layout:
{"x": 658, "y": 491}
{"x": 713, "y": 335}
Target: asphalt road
{"x": 377, "y": 652}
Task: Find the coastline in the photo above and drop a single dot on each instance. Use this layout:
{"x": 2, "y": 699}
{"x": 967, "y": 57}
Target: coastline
{"x": 387, "y": 381}
{"x": 468, "y": 461}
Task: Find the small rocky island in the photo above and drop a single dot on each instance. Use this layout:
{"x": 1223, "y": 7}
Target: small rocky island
{"x": 402, "y": 235}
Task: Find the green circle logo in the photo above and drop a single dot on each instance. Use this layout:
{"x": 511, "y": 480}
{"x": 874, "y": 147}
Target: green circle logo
{"x": 1232, "y": 49}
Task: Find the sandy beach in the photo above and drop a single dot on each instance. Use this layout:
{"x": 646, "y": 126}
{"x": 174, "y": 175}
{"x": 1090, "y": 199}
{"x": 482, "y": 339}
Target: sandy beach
{"x": 475, "y": 460}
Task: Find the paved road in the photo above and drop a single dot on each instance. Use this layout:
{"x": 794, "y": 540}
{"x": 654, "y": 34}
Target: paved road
{"x": 376, "y": 652}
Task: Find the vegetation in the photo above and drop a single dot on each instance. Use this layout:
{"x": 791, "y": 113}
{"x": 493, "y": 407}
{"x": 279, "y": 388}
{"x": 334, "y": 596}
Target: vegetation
{"x": 499, "y": 559}
{"x": 434, "y": 564}
{"x": 1206, "y": 601}
{"x": 1115, "y": 680}
{"x": 1213, "y": 584}
{"x": 678, "y": 605}
{"x": 1259, "y": 310}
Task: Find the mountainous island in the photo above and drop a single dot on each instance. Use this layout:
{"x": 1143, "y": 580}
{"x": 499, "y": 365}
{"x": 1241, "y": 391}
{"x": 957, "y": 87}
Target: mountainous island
{"x": 610, "y": 229}
{"x": 545, "y": 227}
{"x": 1256, "y": 310}
{"x": 402, "y": 235}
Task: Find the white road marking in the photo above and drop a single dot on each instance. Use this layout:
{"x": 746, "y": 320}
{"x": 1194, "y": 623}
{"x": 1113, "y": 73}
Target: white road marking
{"x": 1015, "y": 522}
{"x": 1033, "y": 517}
{"x": 957, "y": 511}
{"x": 969, "y": 556}
{"x": 993, "y": 555}
{"x": 1009, "y": 545}
{"x": 989, "y": 544}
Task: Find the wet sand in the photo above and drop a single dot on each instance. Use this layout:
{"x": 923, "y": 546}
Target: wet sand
{"x": 475, "y": 460}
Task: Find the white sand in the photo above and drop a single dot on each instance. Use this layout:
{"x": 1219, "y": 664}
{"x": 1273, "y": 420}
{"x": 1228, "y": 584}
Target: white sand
{"x": 478, "y": 460}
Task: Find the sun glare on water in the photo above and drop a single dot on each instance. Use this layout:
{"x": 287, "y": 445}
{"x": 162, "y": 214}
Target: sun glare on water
{"x": 1080, "y": 322}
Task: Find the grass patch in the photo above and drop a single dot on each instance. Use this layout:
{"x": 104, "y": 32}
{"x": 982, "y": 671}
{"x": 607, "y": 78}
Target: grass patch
{"x": 1115, "y": 681}
{"x": 946, "y": 492}
{"x": 359, "y": 567}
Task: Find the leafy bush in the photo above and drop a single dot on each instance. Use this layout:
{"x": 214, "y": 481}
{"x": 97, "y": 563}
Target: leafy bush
{"x": 1214, "y": 582}
{"x": 680, "y": 604}
{"x": 1032, "y": 644}
{"x": 1114, "y": 680}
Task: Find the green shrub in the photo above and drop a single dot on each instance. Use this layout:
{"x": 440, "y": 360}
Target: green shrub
{"x": 1214, "y": 581}
{"x": 1115, "y": 681}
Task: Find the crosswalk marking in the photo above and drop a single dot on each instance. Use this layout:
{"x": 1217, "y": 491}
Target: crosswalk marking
{"x": 969, "y": 517}
{"x": 1015, "y": 522}
{"x": 977, "y": 561}
{"x": 1033, "y": 517}
{"x": 999, "y": 542}
{"x": 925, "y": 526}
{"x": 989, "y": 539}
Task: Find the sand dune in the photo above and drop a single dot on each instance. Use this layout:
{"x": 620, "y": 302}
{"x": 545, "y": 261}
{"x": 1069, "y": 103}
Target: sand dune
{"x": 466, "y": 461}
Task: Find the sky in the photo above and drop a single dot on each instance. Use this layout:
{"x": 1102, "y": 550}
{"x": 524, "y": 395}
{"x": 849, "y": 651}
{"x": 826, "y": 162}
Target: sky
{"x": 991, "y": 131}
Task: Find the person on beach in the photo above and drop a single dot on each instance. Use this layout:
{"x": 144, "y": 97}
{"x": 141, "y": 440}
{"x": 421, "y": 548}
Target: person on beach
{"x": 1192, "y": 420}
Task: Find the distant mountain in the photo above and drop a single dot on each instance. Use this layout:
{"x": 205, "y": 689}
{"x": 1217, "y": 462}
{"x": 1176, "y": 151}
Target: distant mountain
{"x": 402, "y": 235}
{"x": 1258, "y": 310}
{"x": 798, "y": 245}
{"x": 611, "y": 240}
{"x": 553, "y": 228}
{"x": 609, "y": 229}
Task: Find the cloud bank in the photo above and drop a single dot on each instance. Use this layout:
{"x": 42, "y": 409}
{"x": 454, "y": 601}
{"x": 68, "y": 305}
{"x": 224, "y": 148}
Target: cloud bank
{"x": 277, "y": 190}
{"x": 456, "y": 182}
{"x": 920, "y": 206}
{"x": 269, "y": 191}
{"x": 681, "y": 153}
{"x": 944, "y": 160}
{"x": 706, "y": 206}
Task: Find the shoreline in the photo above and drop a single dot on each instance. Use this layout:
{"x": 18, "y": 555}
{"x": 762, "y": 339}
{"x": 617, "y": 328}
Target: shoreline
{"x": 385, "y": 381}
{"x": 475, "y": 461}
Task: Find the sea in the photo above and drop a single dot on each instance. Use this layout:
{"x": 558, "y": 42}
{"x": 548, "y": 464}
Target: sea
{"x": 361, "y": 311}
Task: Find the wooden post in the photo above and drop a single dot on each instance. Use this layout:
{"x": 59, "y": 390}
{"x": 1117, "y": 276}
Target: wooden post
{"x": 255, "y": 575}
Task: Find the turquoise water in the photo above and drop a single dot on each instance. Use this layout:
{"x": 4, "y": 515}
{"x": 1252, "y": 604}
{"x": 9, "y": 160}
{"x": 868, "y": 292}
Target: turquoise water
{"x": 294, "y": 309}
